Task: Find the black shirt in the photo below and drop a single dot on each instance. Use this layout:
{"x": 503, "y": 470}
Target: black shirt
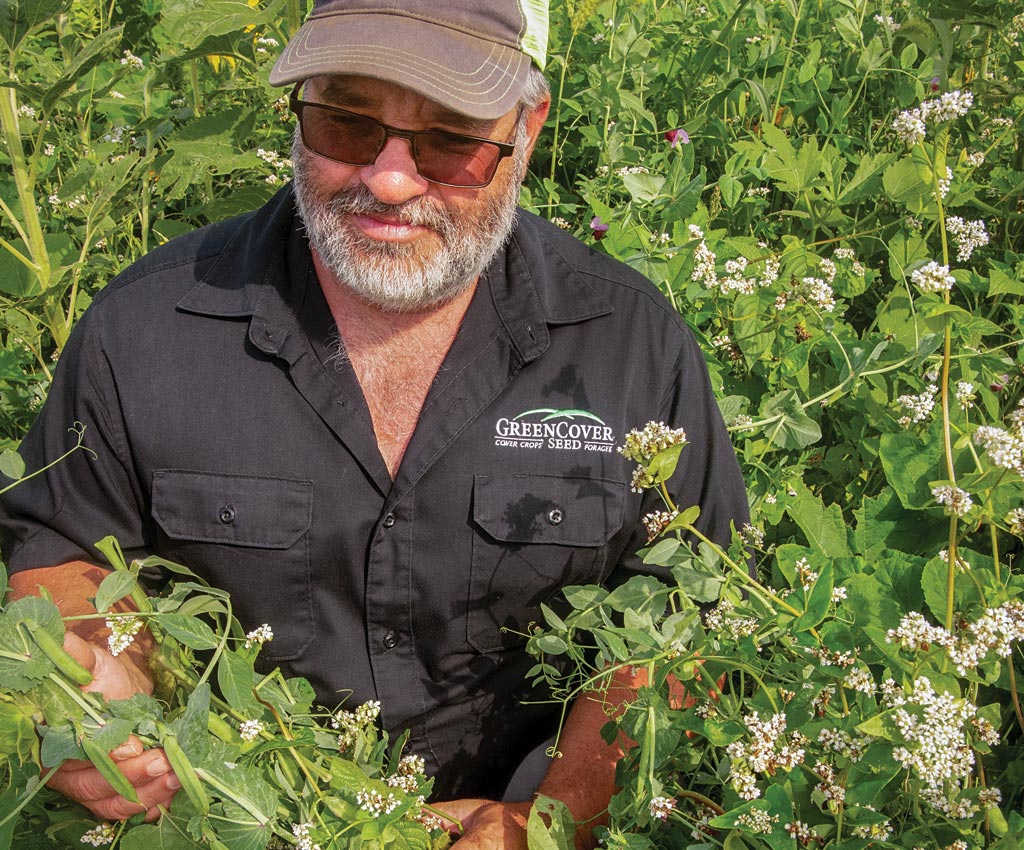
{"x": 228, "y": 434}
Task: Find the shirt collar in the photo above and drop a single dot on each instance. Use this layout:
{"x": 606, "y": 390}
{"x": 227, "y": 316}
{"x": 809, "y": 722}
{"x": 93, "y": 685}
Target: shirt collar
{"x": 261, "y": 272}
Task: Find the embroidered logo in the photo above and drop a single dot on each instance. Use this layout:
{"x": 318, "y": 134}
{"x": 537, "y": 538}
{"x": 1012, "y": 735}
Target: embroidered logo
{"x": 546, "y": 427}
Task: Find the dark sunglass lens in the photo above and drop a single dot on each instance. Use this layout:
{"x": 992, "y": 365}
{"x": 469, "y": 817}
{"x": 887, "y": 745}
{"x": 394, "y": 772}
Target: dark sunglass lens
{"x": 343, "y": 136}
{"x": 456, "y": 160}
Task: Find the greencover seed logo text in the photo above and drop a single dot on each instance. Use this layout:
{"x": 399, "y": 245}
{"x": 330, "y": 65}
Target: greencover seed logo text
{"x": 546, "y": 427}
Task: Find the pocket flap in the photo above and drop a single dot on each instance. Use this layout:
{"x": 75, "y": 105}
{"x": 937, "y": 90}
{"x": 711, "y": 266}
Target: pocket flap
{"x": 240, "y": 510}
{"x": 564, "y": 510}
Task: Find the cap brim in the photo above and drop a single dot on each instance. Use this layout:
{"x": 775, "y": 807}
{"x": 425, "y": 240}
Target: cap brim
{"x": 461, "y": 72}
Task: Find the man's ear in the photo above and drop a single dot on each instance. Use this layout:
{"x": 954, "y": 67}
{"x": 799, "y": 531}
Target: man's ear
{"x": 535, "y": 119}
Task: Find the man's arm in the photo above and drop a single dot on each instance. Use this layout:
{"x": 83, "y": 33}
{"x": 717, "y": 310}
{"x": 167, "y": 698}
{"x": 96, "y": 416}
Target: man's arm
{"x": 71, "y": 586}
{"x": 582, "y": 777}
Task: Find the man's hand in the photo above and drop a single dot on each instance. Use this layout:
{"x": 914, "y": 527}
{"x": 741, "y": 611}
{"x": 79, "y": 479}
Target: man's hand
{"x": 487, "y": 825}
{"x": 147, "y": 770}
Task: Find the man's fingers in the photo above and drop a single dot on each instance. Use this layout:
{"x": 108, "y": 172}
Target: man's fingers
{"x": 150, "y": 772}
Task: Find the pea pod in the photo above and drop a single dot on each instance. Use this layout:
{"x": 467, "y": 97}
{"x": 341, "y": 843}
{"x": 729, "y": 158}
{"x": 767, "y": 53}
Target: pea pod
{"x": 221, "y": 728}
{"x": 186, "y": 774}
{"x": 109, "y": 770}
{"x": 58, "y": 655}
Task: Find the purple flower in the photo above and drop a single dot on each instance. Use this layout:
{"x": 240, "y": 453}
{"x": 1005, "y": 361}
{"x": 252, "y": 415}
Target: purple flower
{"x": 677, "y": 136}
{"x": 598, "y": 227}
{"x": 935, "y": 83}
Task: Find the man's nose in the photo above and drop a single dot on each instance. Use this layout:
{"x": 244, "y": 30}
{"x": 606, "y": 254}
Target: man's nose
{"x": 393, "y": 177}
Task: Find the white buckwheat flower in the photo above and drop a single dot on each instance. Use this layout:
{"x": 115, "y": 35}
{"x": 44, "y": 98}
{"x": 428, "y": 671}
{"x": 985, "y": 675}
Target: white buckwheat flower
{"x": 956, "y": 501}
{"x": 920, "y": 406}
{"x": 250, "y": 730}
{"x": 968, "y": 235}
{"x": 1015, "y": 521}
{"x": 99, "y": 835}
{"x": 947, "y": 107}
{"x": 965, "y": 394}
{"x": 1004, "y": 448}
{"x": 909, "y": 127}
{"x": 933, "y": 277}
{"x": 662, "y": 807}
{"x": 641, "y": 445}
{"x": 758, "y": 821}
{"x": 376, "y": 803}
{"x": 301, "y": 833}
{"x": 259, "y": 636}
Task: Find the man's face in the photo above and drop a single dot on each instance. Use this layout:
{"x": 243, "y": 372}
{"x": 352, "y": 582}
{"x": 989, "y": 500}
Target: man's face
{"x": 394, "y": 239}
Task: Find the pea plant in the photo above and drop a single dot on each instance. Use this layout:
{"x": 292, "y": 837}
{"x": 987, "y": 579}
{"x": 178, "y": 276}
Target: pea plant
{"x": 260, "y": 766}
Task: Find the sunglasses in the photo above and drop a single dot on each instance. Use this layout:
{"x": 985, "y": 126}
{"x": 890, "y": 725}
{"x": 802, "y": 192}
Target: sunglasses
{"x": 449, "y": 159}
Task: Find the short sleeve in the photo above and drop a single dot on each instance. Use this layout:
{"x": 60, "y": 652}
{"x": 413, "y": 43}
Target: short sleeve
{"x": 58, "y": 515}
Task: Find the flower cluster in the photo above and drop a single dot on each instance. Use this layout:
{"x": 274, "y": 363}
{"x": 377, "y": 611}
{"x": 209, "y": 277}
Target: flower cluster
{"x": 833, "y": 792}
{"x": 768, "y": 751}
{"x": 965, "y": 394}
{"x": 303, "y": 840}
{"x": 123, "y": 629}
{"x": 805, "y": 576}
{"x": 801, "y": 831}
{"x": 352, "y": 723}
{"x": 910, "y": 125}
{"x": 376, "y": 803}
{"x": 720, "y": 618}
{"x": 132, "y": 61}
{"x": 842, "y": 742}
{"x": 662, "y": 807}
{"x": 937, "y": 750}
{"x": 407, "y": 776}
{"x": 932, "y": 277}
{"x": 657, "y": 522}
{"x": 736, "y": 278}
{"x": 259, "y": 636}
{"x": 919, "y": 407}
{"x": 994, "y": 631}
{"x": 99, "y": 835}
{"x": 1015, "y": 521}
{"x": 250, "y": 730}
{"x": 956, "y": 501}
{"x": 758, "y": 821}
{"x": 1005, "y": 448}
{"x": 968, "y": 235}
{"x": 809, "y": 290}
{"x": 643, "y": 444}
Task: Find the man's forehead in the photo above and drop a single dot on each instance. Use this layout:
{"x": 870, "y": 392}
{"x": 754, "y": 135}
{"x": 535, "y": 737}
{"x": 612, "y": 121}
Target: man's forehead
{"x": 372, "y": 94}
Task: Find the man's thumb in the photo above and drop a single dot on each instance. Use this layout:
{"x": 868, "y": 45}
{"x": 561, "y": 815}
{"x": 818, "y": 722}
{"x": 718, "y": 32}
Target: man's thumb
{"x": 81, "y": 650}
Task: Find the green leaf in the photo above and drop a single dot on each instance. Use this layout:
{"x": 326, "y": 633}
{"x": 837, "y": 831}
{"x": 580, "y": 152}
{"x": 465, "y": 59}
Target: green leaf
{"x": 584, "y": 596}
{"x": 19, "y": 17}
{"x": 934, "y": 580}
{"x": 191, "y": 729}
{"x": 731, "y": 188}
{"x": 18, "y": 739}
{"x": 59, "y": 743}
{"x": 662, "y": 552}
{"x": 910, "y": 463}
{"x": 793, "y": 428}
{"x": 818, "y": 601}
{"x": 11, "y": 464}
{"x": 112, "y": 734}
{"x": 553, "y": 620}
{"x": 643, "y": 188}
{"x": 550, "y": 825}
{"x": 664, "y": 463}
{"x": 114, "y": 587}
{"x": 236, "y": 679}
{"x": 1001, "y": 283}
{"x": 94, "y": 52}
{"x": 192, "y": 632}
{"x": 635, "y": 593}
{"x": 551, "y": 644}
{"x": 824, "y": 527}
{"x": 111, "y": 550}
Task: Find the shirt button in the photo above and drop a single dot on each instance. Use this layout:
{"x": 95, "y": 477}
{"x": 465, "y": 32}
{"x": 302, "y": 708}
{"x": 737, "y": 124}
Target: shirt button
{"x": 390, "y": 640}
{"x": 227, "y": 514}
{"x": 555, "y": 516}
{"x": 389, "y": 520}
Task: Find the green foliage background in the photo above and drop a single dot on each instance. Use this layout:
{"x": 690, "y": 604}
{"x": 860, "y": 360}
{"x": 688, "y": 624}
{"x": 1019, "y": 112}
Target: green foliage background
{"x": 125, "y": 124}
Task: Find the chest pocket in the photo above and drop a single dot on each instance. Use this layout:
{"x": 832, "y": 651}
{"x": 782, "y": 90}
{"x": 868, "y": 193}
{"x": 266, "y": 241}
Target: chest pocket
{"x": 248, "y": 535}
{"x": 534, "y": 534}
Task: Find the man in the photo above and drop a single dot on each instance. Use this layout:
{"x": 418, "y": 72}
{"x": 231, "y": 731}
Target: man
{"x": 381, "y": 411}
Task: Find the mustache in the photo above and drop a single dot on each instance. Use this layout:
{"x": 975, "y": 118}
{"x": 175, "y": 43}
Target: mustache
{"x": 420, "y": 212}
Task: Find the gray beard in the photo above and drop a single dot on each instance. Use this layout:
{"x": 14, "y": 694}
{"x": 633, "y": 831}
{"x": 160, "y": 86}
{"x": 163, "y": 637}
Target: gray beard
{"x": 400, "y": 277}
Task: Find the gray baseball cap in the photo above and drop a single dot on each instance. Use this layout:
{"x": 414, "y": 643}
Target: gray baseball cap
{"x": 472, "y": 56}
